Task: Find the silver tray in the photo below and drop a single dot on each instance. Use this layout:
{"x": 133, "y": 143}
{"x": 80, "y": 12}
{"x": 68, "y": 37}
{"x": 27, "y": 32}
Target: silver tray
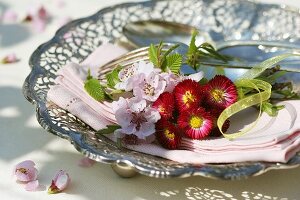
{"x": 223, "y": 19}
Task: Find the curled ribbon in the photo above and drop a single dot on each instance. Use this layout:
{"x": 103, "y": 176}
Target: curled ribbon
{"x": 264, "y": 90}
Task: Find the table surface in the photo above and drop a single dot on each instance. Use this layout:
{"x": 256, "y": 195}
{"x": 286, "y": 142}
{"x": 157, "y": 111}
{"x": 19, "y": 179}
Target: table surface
{"x": 22, "y": 138}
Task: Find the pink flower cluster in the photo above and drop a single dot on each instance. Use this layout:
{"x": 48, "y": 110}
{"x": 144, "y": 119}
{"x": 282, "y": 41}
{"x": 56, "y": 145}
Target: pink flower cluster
{"x": 144, "y": 83}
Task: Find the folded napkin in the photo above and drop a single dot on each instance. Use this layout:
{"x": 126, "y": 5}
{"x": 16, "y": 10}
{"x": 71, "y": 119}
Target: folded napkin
{"x": 273, "y": 139}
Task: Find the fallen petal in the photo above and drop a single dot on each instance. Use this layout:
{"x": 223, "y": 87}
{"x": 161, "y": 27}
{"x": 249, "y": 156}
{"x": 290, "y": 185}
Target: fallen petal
{"x": 25, "y": 171}
{"x": 42, "y": 13}
{"x": 10, "y": 58}
{"x": 37, "y": 11}
{"x": 39, "y": 25}
{"x": 32, "y": 185}
{"x": 38, "y": 15}
{"x": 86, "y": 162}
{"x": 26, "y": 164}
{"x": 9, "y": 16}
{"x": 60, "y": 182}
{"x": 26, "y": 174}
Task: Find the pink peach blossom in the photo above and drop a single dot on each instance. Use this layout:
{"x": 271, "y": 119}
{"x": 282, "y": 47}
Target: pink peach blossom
{"x": 60, "y": 182}
{"x": 25, "y": 171}
{"x": 10, "y": 58}
{"x": 135, "y": 117}
{"x": 128, "y": 75}
{"x": 149, "y": 87}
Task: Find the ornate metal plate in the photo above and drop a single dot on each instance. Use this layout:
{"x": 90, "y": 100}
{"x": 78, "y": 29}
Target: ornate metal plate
{"x": 222, "y": 19}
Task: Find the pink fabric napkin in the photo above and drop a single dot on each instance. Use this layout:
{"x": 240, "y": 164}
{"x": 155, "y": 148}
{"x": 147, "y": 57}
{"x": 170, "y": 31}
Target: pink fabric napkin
{"x": 273, "y": 139}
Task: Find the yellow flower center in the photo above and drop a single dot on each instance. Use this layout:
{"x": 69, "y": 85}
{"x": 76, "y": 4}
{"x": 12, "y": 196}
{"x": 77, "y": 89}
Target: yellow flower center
{"x": 149, "y": 89}
{"x": 218, "y": 95}
{"x": 196, "y": 122}
{"x": 188, "y": 97}
{"x": 169, "y": 135}
{"x": 161, "y": 109}
{"x": 22, "y": 170}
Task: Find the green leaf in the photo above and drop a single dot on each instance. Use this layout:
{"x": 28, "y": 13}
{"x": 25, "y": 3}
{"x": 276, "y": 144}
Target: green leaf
{"x": 287, "y": 93}
{"x": 203, "y": 81}
{"x": 89, "y": 75}
{"x": 108, "y": 130}
{"x": 174, "y": 62}
{"x": 113, "y": 77}
{"x": 270, "y": 109}
{"x": 153, "y": 55}
{"x": 172, "y": 48}
{"x": 272, "y": 78}
{"x": 119, "y": 143}
{"x": 213, "y": 53}
{"x": 164, "y": 62}
{"x": 164, "y": 65}
{"x": 94, "y": 89}
{"x": 193, "y": 48}
{"x": 192, "y": 53}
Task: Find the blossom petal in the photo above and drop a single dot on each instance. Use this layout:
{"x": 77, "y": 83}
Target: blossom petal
{"x": 86, "y": 162}
{"x": 26, "y": 164}
{"x": 135, "y": 118}
{"x": 123, "y": 117}
{"x": 149, "y": 87}
{"x": 26, "y": 174}
{"x": 42, "y": 13}
{"x": 32, "y": 185}
{"x": 152, "y": 115}
{"x": 121, "y": 103}
{"x": 146, "y": 130}
{"x": 171, "y": 80}
{"x": 129, "y": 129}
{"x": 39, "y": 25}
{"x": 9, "y": 16}
{"x": 60, "y": 182}
{"x": 10, "y": 58}
{"x": 25, "y": 171}
{"x": 137, "y": 105}
{"x": 145, "y": 68}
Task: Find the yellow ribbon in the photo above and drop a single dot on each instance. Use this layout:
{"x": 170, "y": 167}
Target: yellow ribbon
{"x": 264, "y": 90}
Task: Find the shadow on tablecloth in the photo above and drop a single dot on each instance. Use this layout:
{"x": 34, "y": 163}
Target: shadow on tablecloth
{"x": 20, "y": 133}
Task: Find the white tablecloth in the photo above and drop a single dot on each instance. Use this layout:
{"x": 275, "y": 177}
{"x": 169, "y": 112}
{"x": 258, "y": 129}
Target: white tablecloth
{"x": 22, "y": 138}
